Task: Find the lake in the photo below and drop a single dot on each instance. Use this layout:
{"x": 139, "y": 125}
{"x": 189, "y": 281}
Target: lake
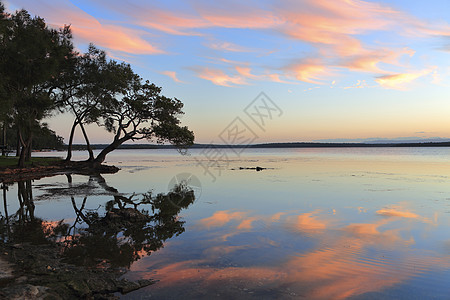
{"x": 343, "y": 223}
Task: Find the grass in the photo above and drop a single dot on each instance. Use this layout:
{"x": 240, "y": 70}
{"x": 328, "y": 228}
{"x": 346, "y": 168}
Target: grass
{"x": 12, "y": 161}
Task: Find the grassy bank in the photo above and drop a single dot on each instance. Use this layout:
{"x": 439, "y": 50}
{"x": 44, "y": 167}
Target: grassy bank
{"x": 11, "y": 161}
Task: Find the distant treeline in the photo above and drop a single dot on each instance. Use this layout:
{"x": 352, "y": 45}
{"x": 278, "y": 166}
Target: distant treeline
{"x": 43, "y": 138}
{"x": 348, "y": 145}
{"x": 273, "y": 145}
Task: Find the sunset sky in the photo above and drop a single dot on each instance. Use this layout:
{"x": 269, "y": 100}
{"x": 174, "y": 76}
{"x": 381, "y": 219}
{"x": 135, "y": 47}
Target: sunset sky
{"x": 335, "y": 68}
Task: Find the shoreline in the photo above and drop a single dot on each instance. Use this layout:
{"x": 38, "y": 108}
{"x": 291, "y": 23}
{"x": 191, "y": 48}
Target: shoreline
{"x": 13, "y": 174}
{"x": 37, "y": 271}
{"x": 81, "y": 147}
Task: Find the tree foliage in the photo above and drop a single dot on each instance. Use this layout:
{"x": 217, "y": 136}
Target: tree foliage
{"x": 92, "y": 82}
{"x": 43, "y": 137}
{"x": 143, "y": 113}
{"x": 33, "y": 55}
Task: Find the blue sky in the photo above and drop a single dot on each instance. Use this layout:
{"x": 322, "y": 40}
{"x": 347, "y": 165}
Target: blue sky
{"x": 336, "y": 68}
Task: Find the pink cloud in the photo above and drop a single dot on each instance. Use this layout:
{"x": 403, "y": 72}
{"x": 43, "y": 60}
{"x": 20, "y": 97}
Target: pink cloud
{"x": 310, "y": 70}
{"x": 89, "y": 29}
{"x": 401, "y": 81}
{"x": 116, "y": 38}
{"x": 369, "y": 60}
{"x": 333, "y": 23}
{"x": 173, "y": 75}
{"x": 245, "y": 71}
{"x": 241, "y": 77}
{"x": 334, "y": 29}
{"x": 218, "y": 77}
{"x": 170, "y": 22}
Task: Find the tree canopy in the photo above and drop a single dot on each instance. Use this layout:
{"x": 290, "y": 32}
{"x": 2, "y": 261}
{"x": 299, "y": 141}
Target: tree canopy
{"x": 33, "y": 55}
{"x": 143, "y": 113}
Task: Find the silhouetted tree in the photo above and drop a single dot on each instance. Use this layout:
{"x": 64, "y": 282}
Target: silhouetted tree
{"x": 93, "y": 82}
{"x": 43, "y": 137}
{"x": 33, "y": 56}
{"x": 143, "y": 113}
{"x": 5, "y": 102}
{"x": 112, "y": 95}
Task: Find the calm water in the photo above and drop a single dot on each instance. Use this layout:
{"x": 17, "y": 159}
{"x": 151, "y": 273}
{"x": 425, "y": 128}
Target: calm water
{"x": 317, "y": 224}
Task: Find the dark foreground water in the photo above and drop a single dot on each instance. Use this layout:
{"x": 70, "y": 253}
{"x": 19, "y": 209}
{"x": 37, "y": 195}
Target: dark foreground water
{"x": 316, "y": 224}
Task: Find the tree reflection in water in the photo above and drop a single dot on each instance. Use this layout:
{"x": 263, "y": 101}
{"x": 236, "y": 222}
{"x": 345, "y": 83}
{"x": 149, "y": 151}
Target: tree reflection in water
{"x": 128, "y": 228}
{"x": 23, "y": 226}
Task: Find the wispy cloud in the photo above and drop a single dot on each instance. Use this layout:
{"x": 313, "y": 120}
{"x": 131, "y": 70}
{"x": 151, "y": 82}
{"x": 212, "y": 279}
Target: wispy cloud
{"x": 219, "y": 77}
{"x": 309, "y": 70}
{"x": 368, "y": 61}
{"x": 337, "y": 33}
{"x": 173, "y": 75}
{"x": 227, "y": 46}
{"x": 401, "y": 81}
{"x": 87, "y": 28}
{"x": 266, "y": 75}
{"x": 240, "y": 74}
{"x": 360, "y": 84}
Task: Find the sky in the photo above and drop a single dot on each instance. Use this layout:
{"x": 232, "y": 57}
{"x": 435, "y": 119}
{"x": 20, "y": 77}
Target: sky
{"x": 282, "y": 71}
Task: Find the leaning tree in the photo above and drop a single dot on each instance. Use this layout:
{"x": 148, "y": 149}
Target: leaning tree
{"x": 141, "y": 112}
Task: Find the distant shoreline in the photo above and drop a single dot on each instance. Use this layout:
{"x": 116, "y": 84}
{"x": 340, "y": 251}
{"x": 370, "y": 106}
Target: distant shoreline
{"x": 277, "y": 145}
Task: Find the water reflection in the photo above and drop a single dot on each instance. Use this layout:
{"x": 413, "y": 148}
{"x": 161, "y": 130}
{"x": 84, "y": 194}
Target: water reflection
{"x": 321, "y": 257}
{"x": 128, "y": 227}
{"x": 22, "y": 226}
{"x": 321, "y": 224}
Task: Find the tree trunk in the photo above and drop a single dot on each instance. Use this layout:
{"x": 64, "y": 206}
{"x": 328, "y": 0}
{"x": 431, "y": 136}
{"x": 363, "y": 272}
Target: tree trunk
{"x": 102, "y": 182}
{"x": 88, "y": 145}
{"x": 4, "y": 187}
{"x": 29, "y": 192}
{"x": 18, "y": 143}
{"x": 69, "y": 146}
{"x": 69, "y": 179}
{"x": 21, "y": 202}
{"x": 21, "y": 146}
{"x": 4, "y": 139}
{"x": 24, "y": 189}
{"x": 111, "y": 147}
{"x": 26, "y": 149}
{"x": 22, "y": 157}
{"x": 79, "y": 212}
{"x": 29, "y": 148}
